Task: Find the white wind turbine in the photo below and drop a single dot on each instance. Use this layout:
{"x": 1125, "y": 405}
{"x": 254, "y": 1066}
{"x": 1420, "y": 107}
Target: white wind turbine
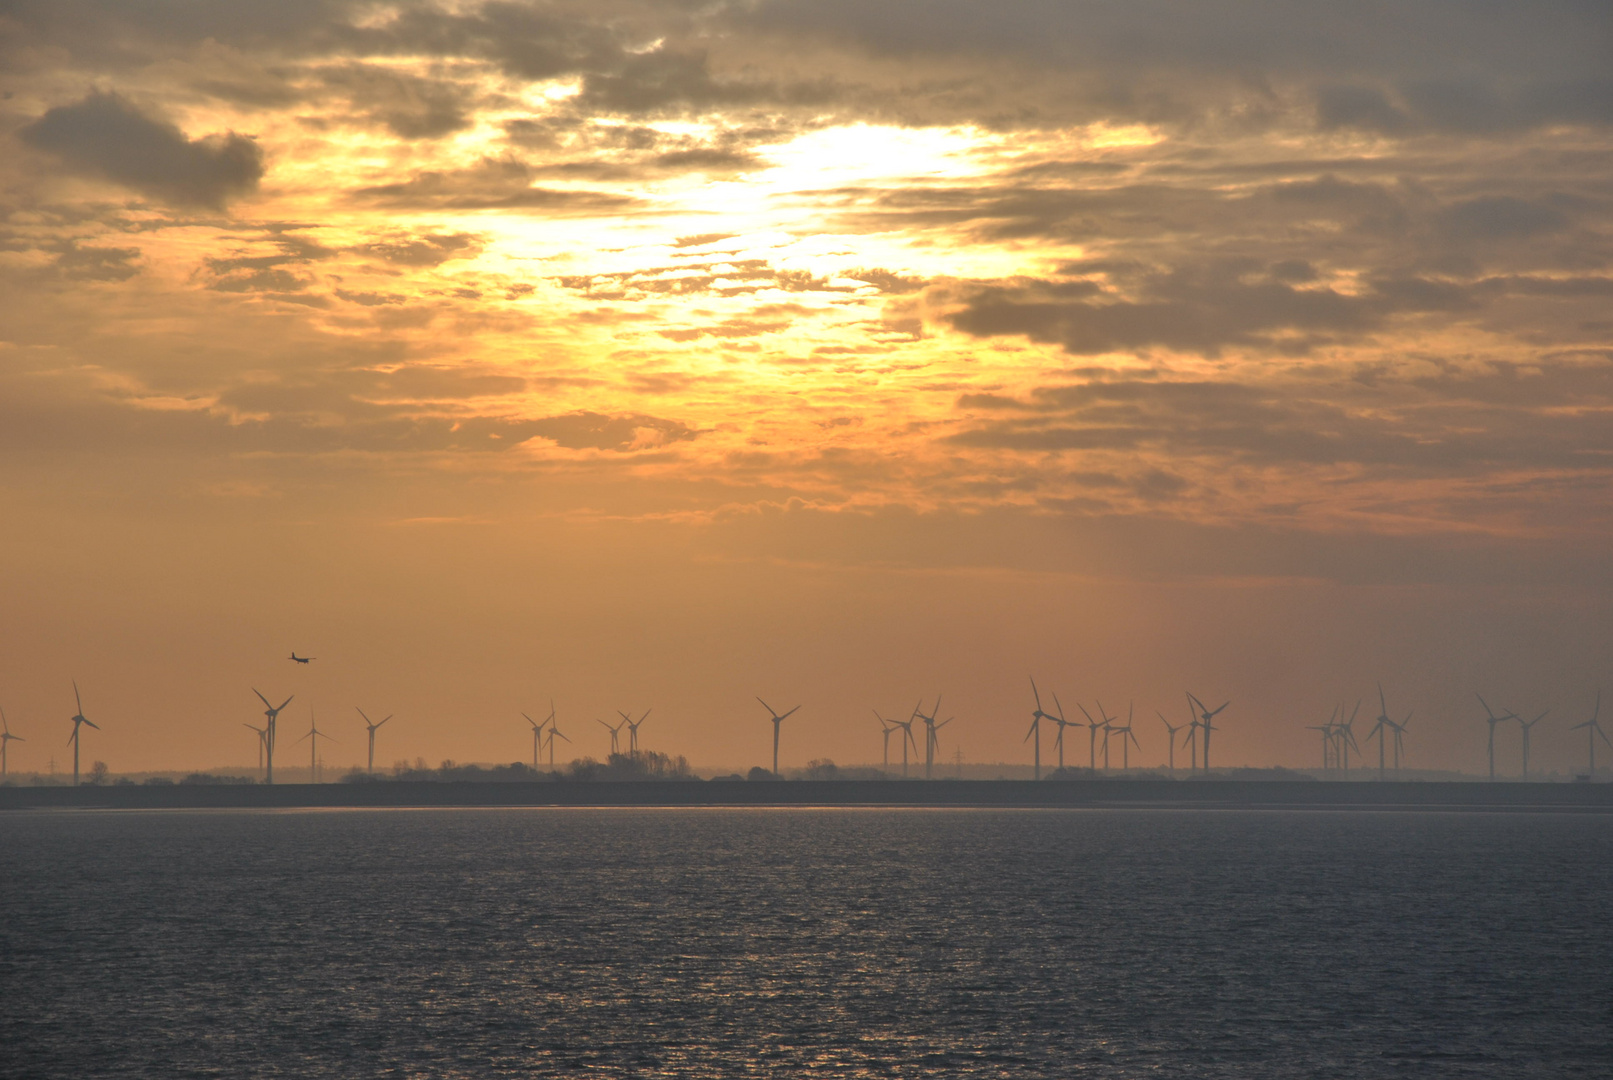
{"x": 1593, "y": 730}
{"x": 271, "y": 714}
{"x": 1170, "y": 738}
{"x": 615, "y": 735}
{"x": 885, "y": 729}
{"x": 632, "y": 731}
{"x": 932, "y": 741}
{"x": 907, "y": 739}
{"x": 261, "y": 733}
{"x": 537, "y": 739}
{"x": 1207, "y": 725}
{"x": 79, "y": 720}
{"x": 1493, "y": 720}
{"x": 1528, "y": 726}
{"x": 313, "y": 737}
{"x": 7, "y": 738}
{"x": 554, "y": 729}
{"x": 1035, "y": 731}
{"x": 777, "y": 720}
{"x": 372, "y": 729}
{"x": 1058, "y": 740}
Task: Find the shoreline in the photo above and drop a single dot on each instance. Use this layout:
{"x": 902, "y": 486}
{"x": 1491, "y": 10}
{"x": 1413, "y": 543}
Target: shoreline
{"x": 1029, "y": 794}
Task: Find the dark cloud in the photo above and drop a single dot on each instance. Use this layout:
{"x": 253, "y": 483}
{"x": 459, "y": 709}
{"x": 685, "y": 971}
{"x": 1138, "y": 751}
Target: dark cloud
{"x": 1202, "y": 310}
{"x": 1461, "y": 422}
{"x": 89, "y": 262}
{"x": 495, "y": 184}
{"x": 105, "y": 136}
{"x": 596, "y": 431}
{"x": 431, "y": 249}
{"x": 410, "y": 106}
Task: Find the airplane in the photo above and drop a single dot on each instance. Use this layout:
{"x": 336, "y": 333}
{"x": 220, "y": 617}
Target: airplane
{"x": 302, "y": 659}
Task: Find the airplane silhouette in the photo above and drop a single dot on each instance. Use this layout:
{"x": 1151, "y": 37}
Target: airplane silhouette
{"x": 302, "y": 659}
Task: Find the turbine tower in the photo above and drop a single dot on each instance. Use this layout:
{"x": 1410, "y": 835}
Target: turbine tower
{"x": 1127, "y": 740}
{"x": 6, "y": 738}
{"x": 1593, "y": 730}
{"x": 79, "y": 720}
{"x": 313, "y": 737}
{"x": 1346, "y": 738}
{"x": 615, "y": 735}
{"x": 1493, "y": 720}
{"x": 1092, "y": 737}
{"x": 1206, "y": 718}
{"x": 537, "y": 738}
{"x": 372, "y": 728}
{"x": 1170, "y": 738}
{"x": 907, "y": 737}
{"x": 777, "y": 720}
{"x": 554, "y": 729}
{"x": 632, "y": 731}
{"x": 1400, "y": 746}
{"x": 1035, "y": 731}
{"x": 261, "y": 732}
{"x": 1527, "y": 728}
{"x": 932, "y": 741}
{"x": 1058, "y": 740}
{"x": 885, "y": 729}
{"x": 271, "y": 713}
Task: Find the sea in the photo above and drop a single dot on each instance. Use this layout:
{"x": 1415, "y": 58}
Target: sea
{"x": 805, "y": 942}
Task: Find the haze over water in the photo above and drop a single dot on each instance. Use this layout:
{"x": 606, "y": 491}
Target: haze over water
{"x": 785, "y": 942}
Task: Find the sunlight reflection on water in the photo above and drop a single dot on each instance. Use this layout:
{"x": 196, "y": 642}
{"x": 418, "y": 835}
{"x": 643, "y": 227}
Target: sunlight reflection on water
{"x": 848, "y": 942}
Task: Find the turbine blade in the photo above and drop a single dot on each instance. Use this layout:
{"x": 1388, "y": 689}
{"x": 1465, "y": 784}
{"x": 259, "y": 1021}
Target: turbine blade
{"x": 788, "y": 714}
{"x": 1037, "y": 694}
{"x": 78, "y": 700}
{"x": 286, "y": 702}
{"x": 261, "y": 698}
{"x": 361, "y": 713}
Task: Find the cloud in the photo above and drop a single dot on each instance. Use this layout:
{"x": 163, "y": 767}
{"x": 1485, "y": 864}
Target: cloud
{"x": 411, "y": 106}
{"x": 494, "y": 184}
{"x": 597, "y": 431}
{"x": 105, "y": 136}
{"x": 430, "y": 249}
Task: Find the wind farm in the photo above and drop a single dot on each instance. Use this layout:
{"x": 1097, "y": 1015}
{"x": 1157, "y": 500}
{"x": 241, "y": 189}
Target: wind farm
{"x": 1510, "y": 747}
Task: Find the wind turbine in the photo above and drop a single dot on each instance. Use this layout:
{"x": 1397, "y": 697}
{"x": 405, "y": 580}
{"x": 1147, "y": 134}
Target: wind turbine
{"x": 907, "y": 737}
{"x": 1170, "y": 738}
{"x": 1035, "y": 731}
{"x": 1592, "y": 731}
{"x": 777, "y": 720}
{"x": 1206, "y": 717}
{"x": 632, "y": 731}
{"x": 271, "y": 713}
{"x": 1058, "y": 741}
{"x": 313, "y": 737}
{"x": 1493, "y": 721}
{"x": 1329, "y": 732}
{"x": 1108, "y": 729}
{"x": 1527, "y": 727}
{"x": 1346, "y": 737}
{"x": 261, "y": 733}
{"x": 79, "y": 720}
{"x": 554, "y": 729}
{"x": 1092, "y": 736}
{"x": 885, "y": 729}
{"x": 1127, "y": 740}
{"x": 6, "y": 738}
{"x": 932, "y": 741}
{"x": 1400, "y": 746}
{"x": 615, "y": 735}
{"x": 372, "y": 728}
{"x": 537, "y": 738}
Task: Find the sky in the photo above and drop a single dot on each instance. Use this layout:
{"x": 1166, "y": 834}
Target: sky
{"x": 663, "y": 355}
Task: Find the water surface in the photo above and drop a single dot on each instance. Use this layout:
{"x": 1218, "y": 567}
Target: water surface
{"x": 789, "y": 942}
